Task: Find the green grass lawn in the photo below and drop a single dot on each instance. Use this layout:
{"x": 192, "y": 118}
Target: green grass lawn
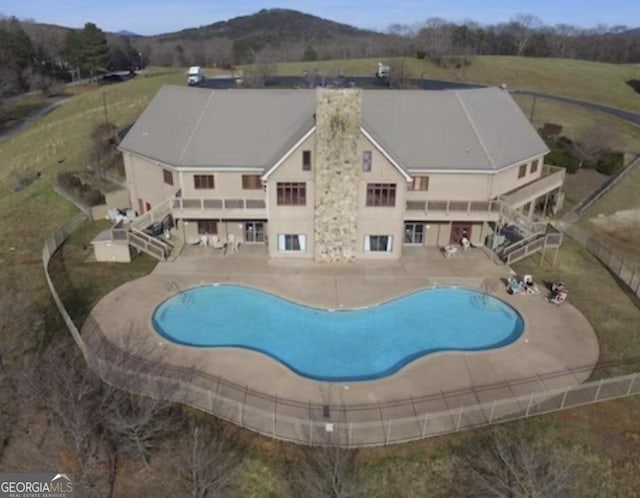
{"x": 576, "y": 122}
{"x": 606, "y": 303}
{"x": 622, "y": 237}
{"x": 81, "y": 283}
{"x": 59, "y": 142}
{"x": 594, "y": 81}
{"x": 14, "y": 110}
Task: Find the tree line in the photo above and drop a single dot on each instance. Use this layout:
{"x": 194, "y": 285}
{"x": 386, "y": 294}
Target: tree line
{"x": 37, "y": 56}
{"x": 32, "y": 54}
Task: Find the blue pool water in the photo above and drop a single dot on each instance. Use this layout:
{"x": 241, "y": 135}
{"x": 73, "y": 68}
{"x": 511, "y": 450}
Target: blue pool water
{"x": 336, "y": 346}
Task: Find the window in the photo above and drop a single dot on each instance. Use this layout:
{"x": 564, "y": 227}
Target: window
{"x": 251, "y": 182}
{"x": 414, "y": 233}
{"x": 207, "y": 227}
{"x": 306, "y": 160}
{"x": 378, "y": 243}
{"x": 366, "y": 160}
{"x": 203, "y": 181}
{"x": 254, "y": 232}
{"x": 292, "y": 194}
{"x": 522, "y": 171}
{"x": 381, "y": 194}
{"x": 420, "y": 183}
{"x": 534, "y": 166}
{"x": 168, "y": 176}
{"x": 292, "y": 242}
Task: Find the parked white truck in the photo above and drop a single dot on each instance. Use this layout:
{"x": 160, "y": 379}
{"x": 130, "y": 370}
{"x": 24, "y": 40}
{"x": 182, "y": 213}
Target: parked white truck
{"x": 195, "y": 75}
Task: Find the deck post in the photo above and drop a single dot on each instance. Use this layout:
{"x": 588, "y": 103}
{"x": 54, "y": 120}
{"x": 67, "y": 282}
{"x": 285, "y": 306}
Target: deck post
{"x": 555, "y": 257}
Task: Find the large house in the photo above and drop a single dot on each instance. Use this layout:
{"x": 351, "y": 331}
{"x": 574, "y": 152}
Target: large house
{"x": 337, "y": 174}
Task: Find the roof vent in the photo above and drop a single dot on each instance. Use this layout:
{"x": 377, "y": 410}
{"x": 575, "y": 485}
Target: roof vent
{"x": 503, "y": 86}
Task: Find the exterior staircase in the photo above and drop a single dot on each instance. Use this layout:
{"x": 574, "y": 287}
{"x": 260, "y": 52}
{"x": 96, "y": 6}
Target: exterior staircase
{"x": 134, "y": 233}
{"x": 538, "y": 236}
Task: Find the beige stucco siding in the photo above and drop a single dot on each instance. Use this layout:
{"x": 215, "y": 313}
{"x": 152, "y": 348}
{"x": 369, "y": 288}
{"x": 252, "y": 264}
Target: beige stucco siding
{"x": 227, "y": 185}
{"x": 145, "y": 181}
{"x": 381, "y": 220}
{"x": 291, "y": 219}
{"x": 455, "y": 187}
{"x": 507, "y": 179}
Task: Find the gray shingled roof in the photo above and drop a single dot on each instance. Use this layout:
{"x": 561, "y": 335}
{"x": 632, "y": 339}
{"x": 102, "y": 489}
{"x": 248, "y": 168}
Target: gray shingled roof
{"x": 477, "y": 129}
{"x": 185, "y": 126}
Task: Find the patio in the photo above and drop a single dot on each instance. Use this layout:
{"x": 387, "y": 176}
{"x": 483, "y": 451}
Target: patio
{"x": 557, "y": 349}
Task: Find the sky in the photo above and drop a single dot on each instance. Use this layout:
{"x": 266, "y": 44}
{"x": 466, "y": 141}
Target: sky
{"x": 148, "y": 17}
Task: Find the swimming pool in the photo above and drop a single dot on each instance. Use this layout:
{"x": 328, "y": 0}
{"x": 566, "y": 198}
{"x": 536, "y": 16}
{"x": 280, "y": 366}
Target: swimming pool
{"x": 343, "y": 345}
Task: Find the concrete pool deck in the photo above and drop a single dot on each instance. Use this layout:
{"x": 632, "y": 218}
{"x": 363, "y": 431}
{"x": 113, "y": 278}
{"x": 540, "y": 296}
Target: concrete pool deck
{"x": 557, "y": 349}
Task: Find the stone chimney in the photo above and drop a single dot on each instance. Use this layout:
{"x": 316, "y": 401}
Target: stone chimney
{"x": 337, "y": 173}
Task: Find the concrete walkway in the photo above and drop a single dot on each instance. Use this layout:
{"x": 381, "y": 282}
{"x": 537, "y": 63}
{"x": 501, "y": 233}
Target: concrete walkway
{"x": 557, "y": 349}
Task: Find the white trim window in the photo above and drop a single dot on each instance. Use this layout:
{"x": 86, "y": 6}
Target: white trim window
{"x": 378, "y": 243}
{"x": 288, "y": 242}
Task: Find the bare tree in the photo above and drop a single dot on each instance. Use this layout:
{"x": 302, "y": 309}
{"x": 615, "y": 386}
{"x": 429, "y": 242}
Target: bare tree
{"x": 524, "y": 27}
{"x": 593, "y": 142}
{"x": 73, "y": 398}
{"x": 511, "y": 463}
{"x": 328, "y": 472}
{"x": 208, "y": 461}
{"x": 138, "y": 424}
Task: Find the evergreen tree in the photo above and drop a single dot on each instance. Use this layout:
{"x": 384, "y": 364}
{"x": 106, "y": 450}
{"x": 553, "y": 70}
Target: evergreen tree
{"x": 95, "y": 49}
{"x": 72, "y": 48}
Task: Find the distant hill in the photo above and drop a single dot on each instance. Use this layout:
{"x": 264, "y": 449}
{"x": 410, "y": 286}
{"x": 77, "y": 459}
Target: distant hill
{"x": 272, "y": 26}
{"x": 126, "y": 32}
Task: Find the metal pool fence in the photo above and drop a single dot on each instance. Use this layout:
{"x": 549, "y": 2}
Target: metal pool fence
{"x": 349, "y": 426}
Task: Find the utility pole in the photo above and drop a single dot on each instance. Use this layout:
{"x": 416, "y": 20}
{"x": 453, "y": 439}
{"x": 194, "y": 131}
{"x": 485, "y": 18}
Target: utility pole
{"x": 104, "y": 103}
{"x": 533, "y": 108}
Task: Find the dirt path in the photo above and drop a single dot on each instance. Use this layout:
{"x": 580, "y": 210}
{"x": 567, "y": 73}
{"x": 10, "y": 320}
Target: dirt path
{"x": 23, "y": 123}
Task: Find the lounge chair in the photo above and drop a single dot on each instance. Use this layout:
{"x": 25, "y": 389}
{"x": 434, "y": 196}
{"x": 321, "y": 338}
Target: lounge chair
{"x": 514, "y": 286}
{"x": 558, "y": 298}
{"x": 529, "y": 286}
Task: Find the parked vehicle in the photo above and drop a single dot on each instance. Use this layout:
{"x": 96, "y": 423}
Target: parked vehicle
{"x": 195, "y": 75}
{"x": 383, "y": 71}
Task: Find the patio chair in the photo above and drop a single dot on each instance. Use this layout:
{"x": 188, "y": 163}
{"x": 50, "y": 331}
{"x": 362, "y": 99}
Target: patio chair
{"x": 215, "y": 242}
{"x": 449, "y": 251}
{"x": 466, "y": 243}
{"x": 203, "y": 240}
{"x": 233, "y": 243}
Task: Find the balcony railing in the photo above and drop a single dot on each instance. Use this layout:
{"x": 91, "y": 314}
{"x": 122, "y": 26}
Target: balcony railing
{"x": 453, "y": 207}
{"x": 182, "y": 203}
{"x": 551, "y": 179}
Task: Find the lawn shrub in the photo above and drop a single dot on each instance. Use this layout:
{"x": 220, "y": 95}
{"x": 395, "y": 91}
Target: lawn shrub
{"x": 549, "y": 130}
{"x": 561, "y": 155}
{"x": 609, "y": 162}
{"x": 87, "y": 194}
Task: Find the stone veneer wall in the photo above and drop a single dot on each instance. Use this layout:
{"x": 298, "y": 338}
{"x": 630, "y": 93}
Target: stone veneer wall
{"x": 337, "y": 173}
